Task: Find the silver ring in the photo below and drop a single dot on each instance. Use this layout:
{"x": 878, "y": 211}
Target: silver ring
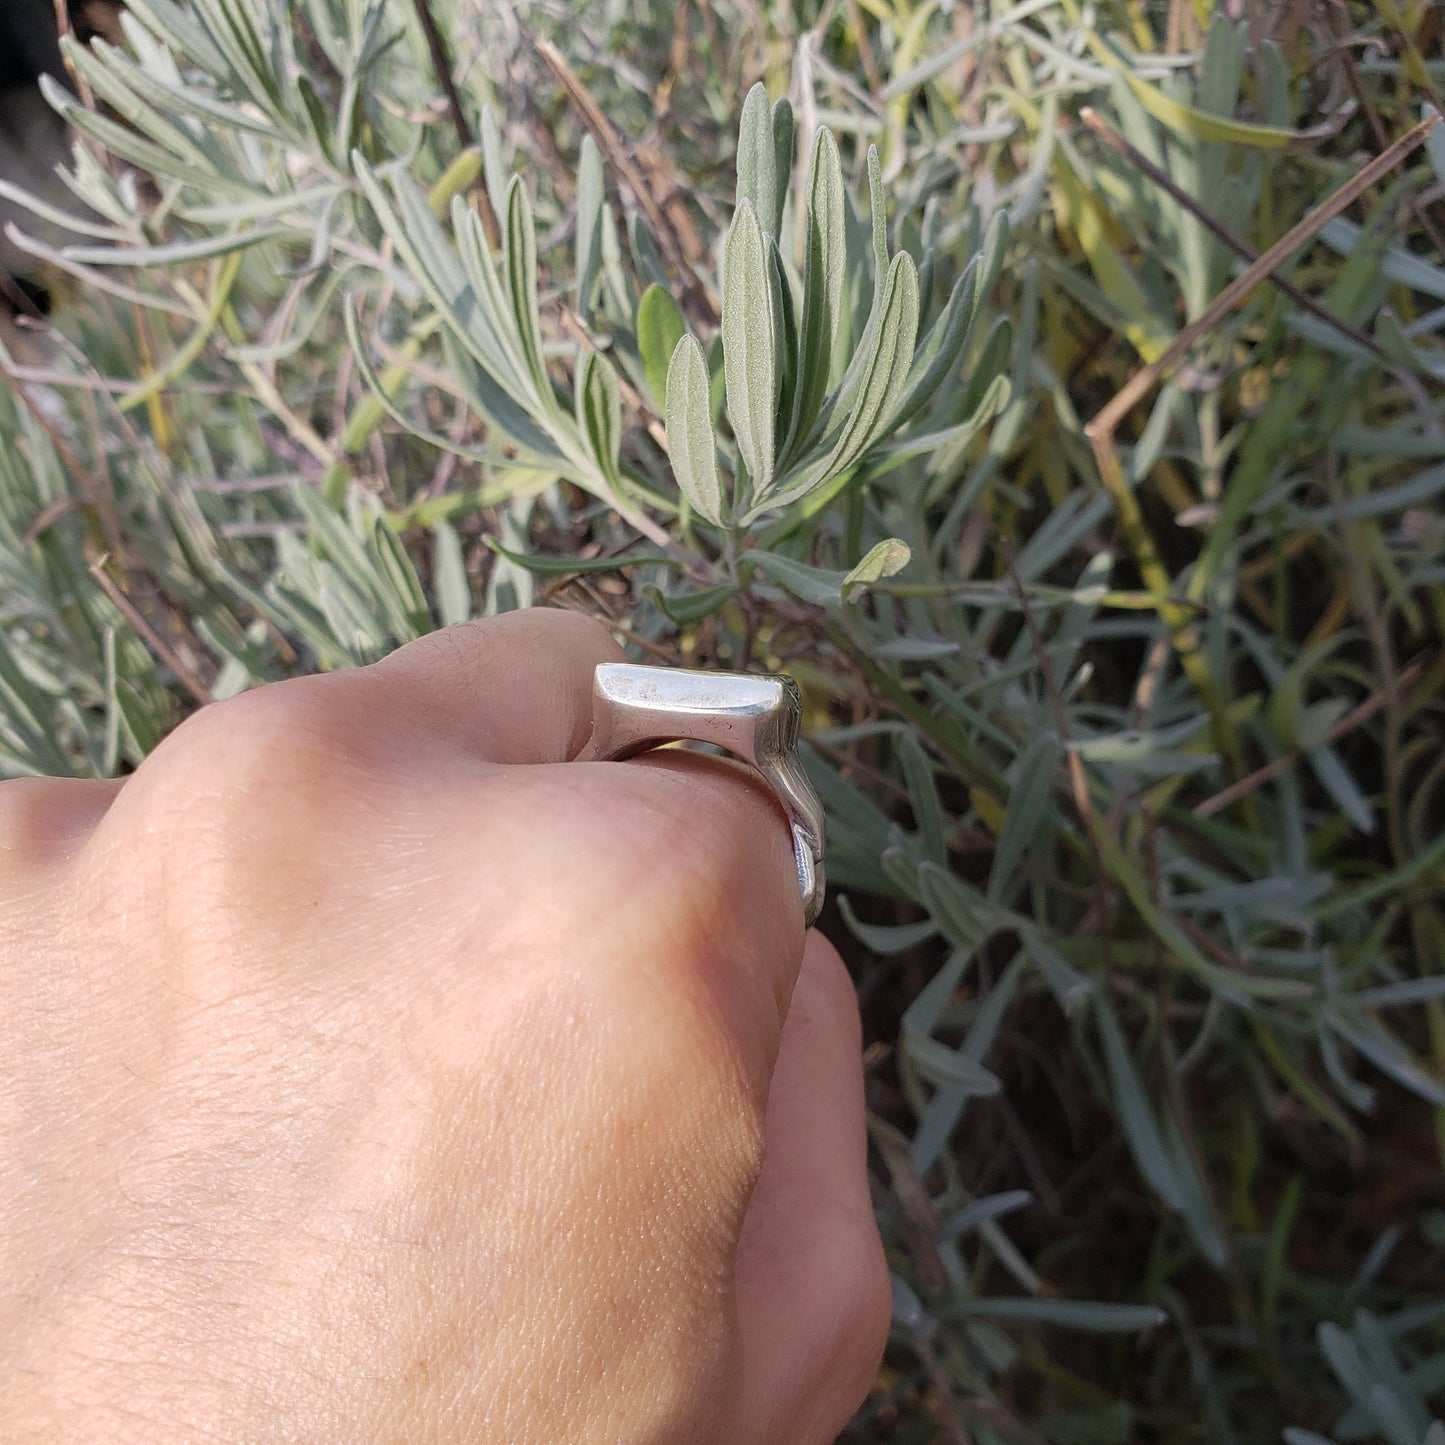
{"x": 754, "y": 717}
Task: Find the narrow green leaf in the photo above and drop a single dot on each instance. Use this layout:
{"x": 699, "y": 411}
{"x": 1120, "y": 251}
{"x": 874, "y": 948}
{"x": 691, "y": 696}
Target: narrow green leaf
{"x": 316, "y": 115}
{"x": 591, "y": 197}
{"x": 646, "y": 257}
{"x": 452, "y": 288}
{"x": 881, "y": 381}
{"x": 181, "y": 32}
{"x": 688, "y": 608}
{"x": 940, "y": 349}
{"x": 599, "y": 412}
{"x": 449, "y": 574}
{"x": 1141, "y": 1127}
{"x": 396, "y": 582}
{"x": 1069, "y": 987}
{"x": 1398, "y": 262}
{"x": 948, "y": 1068}
{"x": 782, "y": 157}
{"x": 1422, "y": 487}
{"x": 659, "y": 328}
{"x": 1231, "y": 984}
{"x": 520, "y": 265}
{"x": 691, "y": 445}
{"x": 1196, "y": 1211}
{"x": 493, "y": 166}
{"x": 488, "y": 310}
{"x": 1067, "y": 1314}
{"x": 879, "y": 210}
{"x": 923, "y": 799}
{"x": 1394, "y": 995}
{"x": 886, "y": 559}
{"x": 964, "y": 916}
{"x": 1388, "y": 1055}
{"x": 883, "y": 459}
{"x": 750, "y": 340}
{"x": 824, "y": 269}
{"x": 992, "y": 361}
{"x": 177, "y": 252}
{"x": 786, "y": 350}
{"x": 470, "y": 374}
{"x": 570, "y": 566}
{"x": 757, "y": 160}
{"x": 1027, "y": 801}
{"x": 490, "y": 400}
{"x": 887, "y": 368}
{"x": 885, "y": 939}
{"x": 815, "y": 585}
{"x": 886, "y": 364}
{"x": 111, "y": 82}
{"x": 120, "y": 141}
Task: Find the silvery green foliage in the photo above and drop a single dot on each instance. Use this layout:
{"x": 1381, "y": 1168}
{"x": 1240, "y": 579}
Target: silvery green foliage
{"x": 1389, "y": 1392}
{"x": 805, "y": 411}
{"x": 807, "y": 399}
{"x": 841, "y": 400}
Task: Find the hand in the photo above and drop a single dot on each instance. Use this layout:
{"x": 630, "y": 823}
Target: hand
{"x": 374, "y": 1073}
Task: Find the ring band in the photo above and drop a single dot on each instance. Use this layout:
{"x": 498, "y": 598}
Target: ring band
{"x": 753, "y": 716}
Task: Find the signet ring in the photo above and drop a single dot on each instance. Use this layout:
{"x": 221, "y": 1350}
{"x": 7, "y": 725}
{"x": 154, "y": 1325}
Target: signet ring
{"x": 752, "y": 716}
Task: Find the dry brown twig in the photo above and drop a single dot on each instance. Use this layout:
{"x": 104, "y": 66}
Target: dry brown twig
{"x": 1101, "y": 429}
{"x": 1353, "y": 719}
{"x": 621, "y": 160}
{"x": 1101, "y": 128}
{"x": 185, "y": 674}
{"x": 441, "y": 63}
{"x": 63, "y": 27}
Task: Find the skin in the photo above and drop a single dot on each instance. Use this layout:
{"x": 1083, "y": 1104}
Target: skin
{"x": 372, "y": 1072}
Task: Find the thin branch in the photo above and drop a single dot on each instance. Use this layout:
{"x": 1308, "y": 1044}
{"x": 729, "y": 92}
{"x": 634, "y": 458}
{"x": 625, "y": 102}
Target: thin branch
{"x": 185, "y": 674}
{"x": 1282, "y": 764}
{"x": 1103, "y": 426}
{"x": 441, "y": 63}
{"x": 1242, "y": 249}
{"x": 1078, "y": 780}
{"x": 1100, "y": 431}
{"x": 64, "y": 27}
{"x": 620, "y": 158}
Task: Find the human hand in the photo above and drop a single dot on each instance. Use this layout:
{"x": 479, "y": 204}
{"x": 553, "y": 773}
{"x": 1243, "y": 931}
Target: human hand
{"x": 373, "y": 1073}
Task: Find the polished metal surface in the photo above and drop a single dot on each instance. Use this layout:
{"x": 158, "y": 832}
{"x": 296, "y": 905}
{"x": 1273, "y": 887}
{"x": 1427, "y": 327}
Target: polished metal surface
{"x": 754, "y": 717}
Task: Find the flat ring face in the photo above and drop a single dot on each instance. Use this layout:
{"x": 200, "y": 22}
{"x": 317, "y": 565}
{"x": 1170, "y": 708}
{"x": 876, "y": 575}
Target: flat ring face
{"x": 755, "y": 718}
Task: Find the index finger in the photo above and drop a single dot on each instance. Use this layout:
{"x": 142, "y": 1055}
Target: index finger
{"x": 516, "y": 688}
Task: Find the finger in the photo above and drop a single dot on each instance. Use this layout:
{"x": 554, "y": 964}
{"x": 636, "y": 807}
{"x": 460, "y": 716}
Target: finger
{"x": 43, "y": 820}
{"x": 512, "y": 689}
{"x": 732, "y": 836}
{"x": 812, "y": 1282}
{"x": 518, "y": 689}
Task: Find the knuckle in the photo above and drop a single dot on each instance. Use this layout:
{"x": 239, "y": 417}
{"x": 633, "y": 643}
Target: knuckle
{"x": 655, "y": 864}
{"x": 289, "y": 740}
{"x": 556, "y": 626}
{"x": 234, "y": 817}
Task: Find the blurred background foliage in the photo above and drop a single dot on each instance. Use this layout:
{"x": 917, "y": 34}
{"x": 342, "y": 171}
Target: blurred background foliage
{"x": 1130, "y": 734}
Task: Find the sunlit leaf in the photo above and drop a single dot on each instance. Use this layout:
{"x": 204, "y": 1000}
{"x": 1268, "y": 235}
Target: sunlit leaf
{"x": 691, "y": 446}
{"x": 885, "y": 559}
{"x": 660, "y": 326}
{"x": 591, "y": 197}
{"x": 750, "y": 344}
